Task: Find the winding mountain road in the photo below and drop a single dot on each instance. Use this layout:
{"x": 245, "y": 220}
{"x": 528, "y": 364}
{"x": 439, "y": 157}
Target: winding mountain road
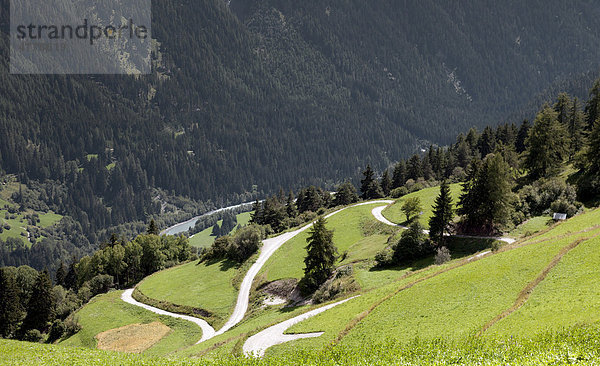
{"x": 207, "y": 331}
{"x": 260, "y": 342}
{"x": 257, "y": 344}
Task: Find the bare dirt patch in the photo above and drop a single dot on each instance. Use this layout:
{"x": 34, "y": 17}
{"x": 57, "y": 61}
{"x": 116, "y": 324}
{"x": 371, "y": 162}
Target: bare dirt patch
{"x": 134, "y": 338}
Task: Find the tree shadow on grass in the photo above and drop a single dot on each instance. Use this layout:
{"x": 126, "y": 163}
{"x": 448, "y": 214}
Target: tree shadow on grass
{"x": 225, "y": 264}
{"x": 465, "y": 247}
{"x": 459, "y": 248}
{"x": 412, "y": 266}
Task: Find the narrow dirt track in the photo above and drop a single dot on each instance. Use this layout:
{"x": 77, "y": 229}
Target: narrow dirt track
{"x": 207, "y": 331}
{"x": 260, "y": 342}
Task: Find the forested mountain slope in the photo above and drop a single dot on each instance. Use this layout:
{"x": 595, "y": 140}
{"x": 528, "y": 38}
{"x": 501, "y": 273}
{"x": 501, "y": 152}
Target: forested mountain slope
{"x": 260, "y": 94}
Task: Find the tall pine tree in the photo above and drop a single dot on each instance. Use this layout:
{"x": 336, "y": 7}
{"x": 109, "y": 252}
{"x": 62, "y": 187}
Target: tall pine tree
{"x": 443, "y": 213}
{"x": 386, "y": 183}
{"x": 320, "y": 256}
{"x": 10, "y": 304}
{"x": 546, "y": 145}
{"x": 399, "y": 176}
{"x": 369, "y": 187}
{"x": 40, "y": 309}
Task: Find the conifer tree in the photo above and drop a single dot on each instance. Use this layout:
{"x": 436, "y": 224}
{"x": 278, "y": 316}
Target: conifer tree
{"x": 366, "y": 182}
{"x": 290, "y": 206}
{"x": 40, "y": 308}
{"x": 345, "y": 195}
{"x": 487, "y": 142}
{"x": 563, "y": 108}
{"x": 369, "y": 187}
{"x": 386, "y": 183}
{"x": 443, "y": 213}
{"x": 71, "y": 276}
{"x": 320, "y": 256}
{"x": 592, "y": 107}
{"x": 399, "y": 176}
{"x": 256, "y": 215}
{"x": 575, "y": 128}
{"x": 521, "y": 143}
{"x": 152, "y": 228}
{"x": 593, "y": 151}
{"x": 485, "y": 202}
{"x": 414, "y": 169}
{"x": 546, "y": 145}
{"x": 61, "y": 273}
{"x": 10, "y": 304}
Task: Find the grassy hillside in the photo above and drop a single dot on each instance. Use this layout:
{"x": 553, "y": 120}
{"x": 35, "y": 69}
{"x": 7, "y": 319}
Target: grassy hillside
{"x": 204, "y": 239}
{"x": 108, "y": 311}
{"x": 207, "y": 286}
{"x": 355, "y": 232}
{"x": 427, "y": 196}
{"x": 545, "y": 282}
{"x": 574, "y": 345}
{"x": 550, "y": 276}
{"x": 458, "y": 303}
{"x": 569, "y": 295}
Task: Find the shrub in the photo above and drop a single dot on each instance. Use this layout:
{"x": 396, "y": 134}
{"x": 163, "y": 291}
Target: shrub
{"x": 33, "y": 335}
{"x": 496, "y": 244}
{"x": 413, "y": 244}
{"x": 384, "y": 257}
{"x": 100, "y": 284}
{"x": 399, "y": 192}
{"x": 72, "y": 326}
{"x": 563, "y": 206}
{"x": 442, "y": 255}
{"x": 340, "y": 283}
{"x": 84, "y": 294}
{"x": 545, "y": 195}
{"x": 239, "y": 247}
{"x": 57, "y": 330}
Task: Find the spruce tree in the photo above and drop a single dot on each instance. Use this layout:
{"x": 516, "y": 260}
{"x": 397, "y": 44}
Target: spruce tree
{"x": 575, "y": 128}
{"x": 563, "y": 108}
{"x": 61, "y": 274}
{"x": 443, "y": 213}
{"x": 366, "y": 183}
{"x": 152, "y": 228}
{"x": 256, "y": 215}
{"x": 546, "y": 145}
{"x": 414, "y": 169}
{"x": 399, "y": 176}
{"x": 10, "y": 304}
{"x": 592, "y": 108}
{"x": 71, "y": 276}
{"x": 345, "y": 195}
{"x": 487, "y": 142}
{"x": 521, "y": 143}
{"x": 320, "y": 256}
{"x": 40, "y": 308}
{"x": 290, "y": 206}
{"x": 485, "y": 202}
{"x": 386, "y": 183}
{"x": 593, "y": 151}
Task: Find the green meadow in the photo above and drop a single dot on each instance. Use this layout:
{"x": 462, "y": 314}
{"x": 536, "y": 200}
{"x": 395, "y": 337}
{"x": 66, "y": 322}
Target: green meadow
{"x": 427, "y": 196}
{"x": 356, "y": 234}
{"x": 208, "y": 286}
{"x": 108, "y": 311}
